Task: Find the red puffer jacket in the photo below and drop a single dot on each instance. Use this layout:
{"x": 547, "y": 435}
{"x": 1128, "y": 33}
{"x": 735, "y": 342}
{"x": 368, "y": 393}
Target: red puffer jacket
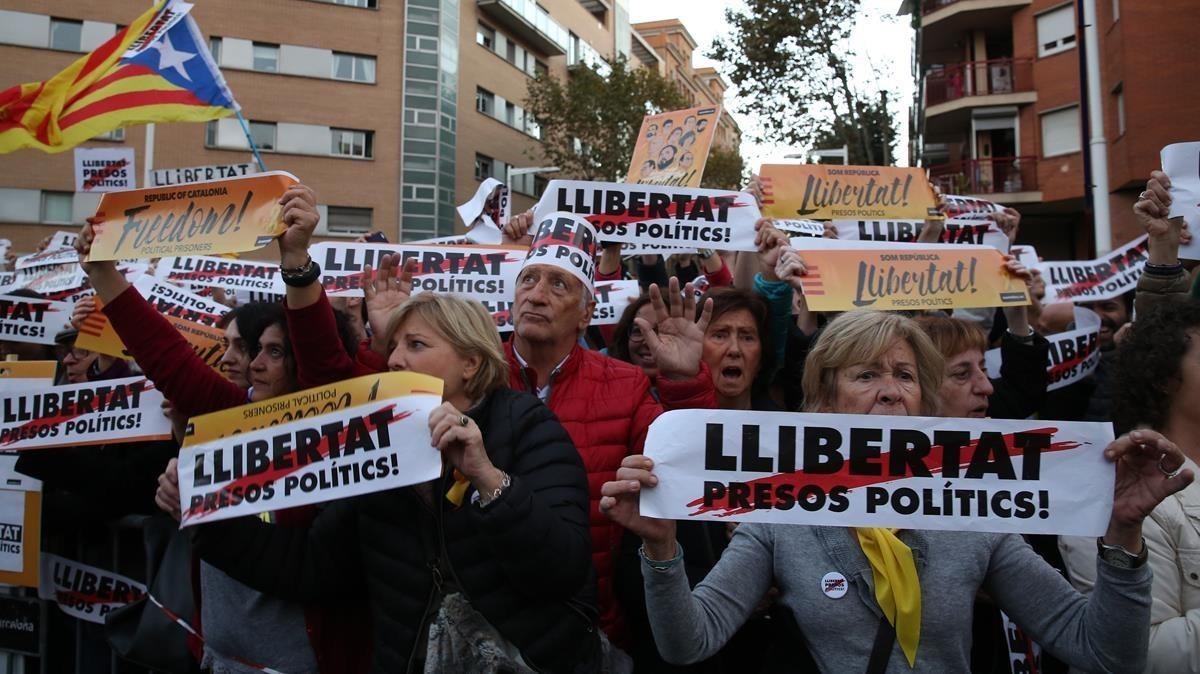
{"x": 606, "y": 406}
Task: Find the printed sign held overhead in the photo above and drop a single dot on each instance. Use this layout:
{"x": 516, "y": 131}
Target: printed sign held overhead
{"x": 672, "y": 147}
{"x": 1092, "y": 280}
{"x": 824, "y": 192}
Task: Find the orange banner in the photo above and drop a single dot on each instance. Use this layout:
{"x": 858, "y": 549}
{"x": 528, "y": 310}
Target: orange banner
{"x": 847, "y": 275}
{"x": 207, "y": 218}
{"x": 672, "y": 147}
{"x": 22, "y": 375}
{"x": 824, "y": 192}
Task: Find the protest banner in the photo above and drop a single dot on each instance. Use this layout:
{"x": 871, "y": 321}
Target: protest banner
{"x": 956, "y": 230}
{"x": 62, "y": 239}
{"x": 809, "y": 228}
{"x": 955, "y": 206}
{"x": 487, "y": 212}
{"x": 83, "y": 591}
{"x": 104, "y": 169}
{"x": 20, "y": 525}
{"x": 308, "y": 447}
{"x": 195, "y": 318}
{"x": 1024, "y": 654}
{"x": 476, "y": 272}
{"x": 672, "y": 147}
{"x": 1026, "y": 255}
{"x": 91, "y": 413}
{"x": 677, "y": 216}
{"x": 611, "y": 299}
{"x": 847, "y": 275}
{"x": 1074, "y": 354}
{"x": 823, "y": 192}
{"x": 26, "y": 375}
{"x": 218, "y": 216}
{"x": 629, "y": 250}
{"x": 566, "y": 241}
{"x": 1181, "y": 163}
{"x": 48, "y": 257}
{"x": 23, "y": 319}
{"x": 201, "y": 271}
{"x": 1093, "y": 280}
{"x": 844, "y": 470}
{"x": 194, "y": 174}
{"x": 52, "y": 279}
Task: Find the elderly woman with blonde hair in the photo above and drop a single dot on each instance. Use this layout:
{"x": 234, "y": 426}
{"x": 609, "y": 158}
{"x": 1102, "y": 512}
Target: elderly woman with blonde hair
{"x": 902, "y": 597}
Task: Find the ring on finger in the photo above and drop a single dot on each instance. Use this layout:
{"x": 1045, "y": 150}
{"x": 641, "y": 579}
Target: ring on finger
{"x": 463, "y": 420}
{"x": 1169, "y": 474}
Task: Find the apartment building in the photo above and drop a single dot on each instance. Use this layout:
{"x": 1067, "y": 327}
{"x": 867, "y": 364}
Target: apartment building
{"x": 1001, "y": 111}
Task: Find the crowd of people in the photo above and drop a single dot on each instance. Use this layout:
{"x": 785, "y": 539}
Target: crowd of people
{"x": 529, "y": 552}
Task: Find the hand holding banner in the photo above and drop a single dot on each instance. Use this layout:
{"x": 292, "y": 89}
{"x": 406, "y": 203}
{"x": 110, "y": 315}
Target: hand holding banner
{"x": 208, "y": 218}
{"x": 1021, "y": 476}
{"x": 823, "y": 192}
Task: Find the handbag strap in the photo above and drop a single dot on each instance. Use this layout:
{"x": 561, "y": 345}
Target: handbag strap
{"x": 881, "y": 651}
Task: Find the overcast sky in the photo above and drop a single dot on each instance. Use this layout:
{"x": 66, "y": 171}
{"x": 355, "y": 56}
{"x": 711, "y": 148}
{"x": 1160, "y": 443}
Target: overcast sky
{"x": 881, "y": 40}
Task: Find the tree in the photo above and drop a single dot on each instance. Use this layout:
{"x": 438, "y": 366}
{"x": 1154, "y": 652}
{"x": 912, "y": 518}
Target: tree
{"x": 589, "y": 122}
{"x": 876, "y": 129}
{"x": 724, "y": 171}
{"x": 792, "y": 65}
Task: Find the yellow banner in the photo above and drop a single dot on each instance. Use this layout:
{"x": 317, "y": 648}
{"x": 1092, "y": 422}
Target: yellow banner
{"x": 672, "y": 147}
{"x": 847, "y": 275}
{"x": 207, "y": 218}
{"x": 32, "y": 371}
{"x": 308, "y": 403}
{"x": 824, "y": 192}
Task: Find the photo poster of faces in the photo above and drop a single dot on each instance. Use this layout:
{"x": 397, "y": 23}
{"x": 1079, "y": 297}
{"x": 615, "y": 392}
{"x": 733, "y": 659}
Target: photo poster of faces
{"x": 672, "y": 147}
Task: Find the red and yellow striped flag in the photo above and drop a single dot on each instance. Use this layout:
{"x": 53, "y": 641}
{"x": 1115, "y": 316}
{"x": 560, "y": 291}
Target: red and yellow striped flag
{"x": 158, "y": 69}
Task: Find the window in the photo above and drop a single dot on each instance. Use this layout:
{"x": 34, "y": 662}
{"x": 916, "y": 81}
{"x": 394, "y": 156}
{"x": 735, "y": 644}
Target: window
{"x": 263, "y": 134}
{"x": 485, "y": 36}
{"x": 354, "y": 67}
{"x": 1061, "y": 132}
{"x": 1056, "y": 30}
{"x": 485, "y": 101}
{"x": 266, "y": 57}
{"x": 210, "y": 134}
{"x": 1119, "y": 98}
{"x": 510, "y": 114}
{"x": 66, "y": 35}
{"x": 540, "y": 68}
{"x": 539, "y": 186}
{"x": 115, "y": 135}
{"x": 214, "y": 48}
{"x": 348, "y": 220}
{"x": 483, "y": 166}
{"x": 57, "y": 207}
{"x": 351, "y": 143}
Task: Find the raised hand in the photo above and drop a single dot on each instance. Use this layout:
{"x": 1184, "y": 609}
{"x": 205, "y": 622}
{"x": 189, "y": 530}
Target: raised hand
{"x": 300, "y": 215}
{"x": 103, "y": 276}
{"x": 619, "y": 501}
{"x": 770, "y": 243}
{"x": 790, "y": 267}
{"x": 1018, "y": 316}
{"x": 167, "y": 494}
{"x": 754, "y": 188}
{"x": 384, "y": 290}
{"x": 1148, "y": 471}
{"x": 677, "y": 343}
{"x": 1151, "y": 210}
{"x": 516, "y": 230}
{"x": 83, "y": 308}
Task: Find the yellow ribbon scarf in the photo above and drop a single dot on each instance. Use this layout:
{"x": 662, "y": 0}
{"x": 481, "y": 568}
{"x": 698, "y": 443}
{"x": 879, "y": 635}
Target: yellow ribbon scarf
{"x": 897, "y": 587}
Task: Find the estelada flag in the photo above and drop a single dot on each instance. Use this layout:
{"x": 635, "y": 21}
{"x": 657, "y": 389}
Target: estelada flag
{"x": 158, "y": 69}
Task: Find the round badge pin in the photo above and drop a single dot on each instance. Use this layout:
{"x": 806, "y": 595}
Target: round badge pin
{"x": 834, "y": 585}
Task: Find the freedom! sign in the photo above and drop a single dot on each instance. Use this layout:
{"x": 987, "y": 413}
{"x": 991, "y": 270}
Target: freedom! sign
{"x": 354, "y": 437}
{"x": 208, "y": 218}
{"x": 845, "y": 470}
{"x": 847, "y": 275}
{"x": 822, "y": 192}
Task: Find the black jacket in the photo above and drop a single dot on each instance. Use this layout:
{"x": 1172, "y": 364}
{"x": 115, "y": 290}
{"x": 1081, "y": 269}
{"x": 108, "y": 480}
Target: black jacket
{"x": 524, "y": 562}
{"x": 1021, "y": 388}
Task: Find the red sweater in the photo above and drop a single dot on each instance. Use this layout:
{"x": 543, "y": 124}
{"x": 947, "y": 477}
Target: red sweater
{"x": 606, "y": 407}
{"x": 194, "y": 388}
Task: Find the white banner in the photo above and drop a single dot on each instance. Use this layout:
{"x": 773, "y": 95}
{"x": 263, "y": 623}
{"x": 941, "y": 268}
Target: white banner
{"x": 1024, "y": 654}
{"x": 195, "y": 174}
{"x": 124, "y": 410}
{"x": 957, "y": 205}
{"x": 1021, "y": 476}
{"x": 810, "y": 228}
{"x": 104, "y": 169}
{"x": 565, "y": 241}
{"x": 23, "y": 319}
{"x": 85, "y": 592}
{"x": 486, "y": 212}
{"x": 200, "y": 271}
{"x": 674, "y": 216}
{"x": 477, "y": 272}
{"x": 1181, "y": 163}
{"x": 960, "y": 230}
{"x": 1093, "y": 280}
{"x": 1074, "y": 354}
{"x": 48, "y": 257}
{"x": 51, "y": 279}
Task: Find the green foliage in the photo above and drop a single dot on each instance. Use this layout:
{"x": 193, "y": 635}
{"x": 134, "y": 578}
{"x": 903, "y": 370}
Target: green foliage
{"x": 876, "y": 126}
{"x": 725, "y": 170}
{"x": 589, "y": 123}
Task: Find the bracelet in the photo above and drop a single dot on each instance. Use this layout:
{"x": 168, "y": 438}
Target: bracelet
{"x": 1023, "y": 339}
{"x": 661, "y": 565}
{"x": 1163, "y": 269}
{"x": 301, "y": 276}
{"x": 489, "y": 499}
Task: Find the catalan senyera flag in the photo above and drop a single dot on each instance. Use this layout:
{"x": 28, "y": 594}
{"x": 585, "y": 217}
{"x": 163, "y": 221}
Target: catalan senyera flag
{"x": 158, "y": 69}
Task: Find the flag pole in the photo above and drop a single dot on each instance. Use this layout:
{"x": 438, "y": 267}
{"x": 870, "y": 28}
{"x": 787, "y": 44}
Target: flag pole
{"x": 246, "y": 129}
{"x": 148, "y": 156}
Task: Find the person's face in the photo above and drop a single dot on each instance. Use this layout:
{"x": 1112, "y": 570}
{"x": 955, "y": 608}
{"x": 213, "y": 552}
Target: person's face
{"x": 702, "y": 125}
{"x": 685, "y": 161}
{"x": 733, "y": 352}
{"x": 639, "y": 350}
{"x": 548, "y": 306}
{"x": 966, "y": 388}
{"x": 77, "y": 362}
{"x": 418, "y": 347}
{"x": 647, "y": 167}
{"x": 675, "y": 136}
{"x": 689, "y": 124}
{"x": 235, "y": 361}
{"x": 271, "y": 371}
{"x": 1112, "y": 315}
{"x": 666, "y": 156}
{"x": 888, "y": 387}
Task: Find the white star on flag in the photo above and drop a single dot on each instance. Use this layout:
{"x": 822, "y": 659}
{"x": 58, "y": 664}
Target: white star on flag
{"x": 169, "y": 57}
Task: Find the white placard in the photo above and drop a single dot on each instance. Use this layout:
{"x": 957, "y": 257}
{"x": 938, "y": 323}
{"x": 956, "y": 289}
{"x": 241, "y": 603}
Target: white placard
{"x": 194, "y": 174}
{"x": 104, "y": 169}
{"x": 1074, "y": 354}
{"x": 1093, "y": 280}
{"x": 1181, "y": 163}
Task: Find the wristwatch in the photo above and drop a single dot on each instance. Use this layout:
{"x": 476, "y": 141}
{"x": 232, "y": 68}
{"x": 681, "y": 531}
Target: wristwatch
{"x": 1119, "y": 557}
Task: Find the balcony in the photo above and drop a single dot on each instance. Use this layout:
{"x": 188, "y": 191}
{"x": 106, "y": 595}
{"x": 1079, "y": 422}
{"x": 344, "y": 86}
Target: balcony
{"x": 964, "y": 14}
{"x": 526, "y": 20}
{"x": 951, "y": 92}
{"x": 1015, "y": 177}
{"x": 582, "y": 55}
